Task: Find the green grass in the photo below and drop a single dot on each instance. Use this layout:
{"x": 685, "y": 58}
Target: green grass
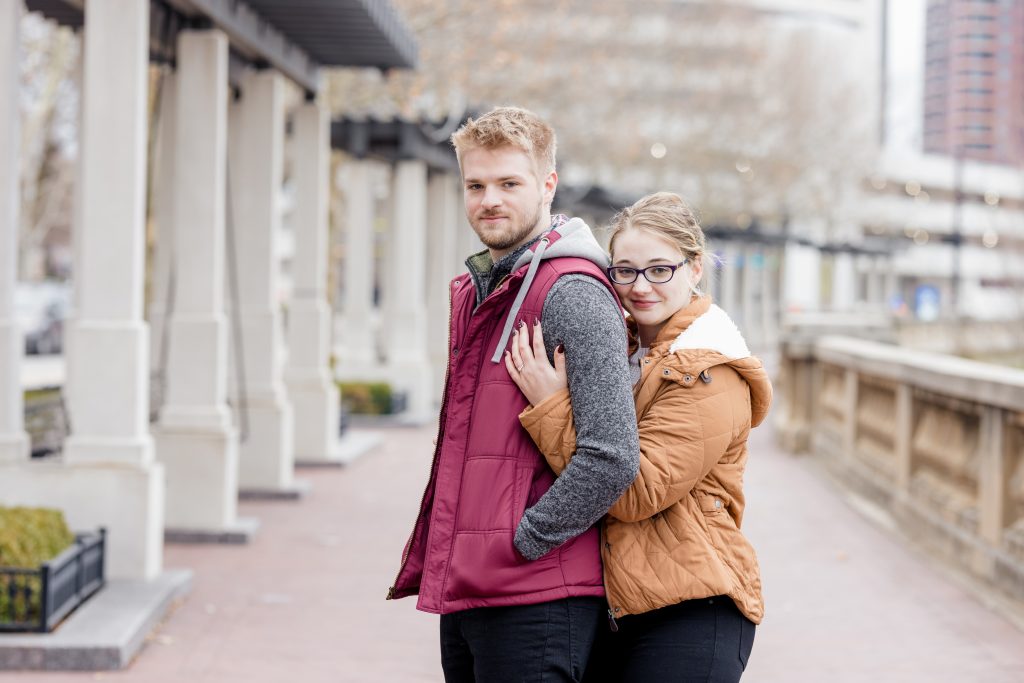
{"x": 28, "y": 538}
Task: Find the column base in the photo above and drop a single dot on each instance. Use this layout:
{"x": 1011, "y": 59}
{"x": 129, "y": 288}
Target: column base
{"x": 14, "y": 448}
{"x": 266, "y": 458}
{"x": 296, "y": 490}
{"x": 202, "y": 478}
{"x": 241, "y": 532}
{"x": 128, "y": 501}
{"x": 317, "y": 414}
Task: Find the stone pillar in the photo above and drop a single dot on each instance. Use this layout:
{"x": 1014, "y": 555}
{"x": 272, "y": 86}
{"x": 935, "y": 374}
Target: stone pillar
{"x": 356, "y": 351}
{"x": 444, "y": 211}
{"x": 110, "y": 478}
{"x": 162, "y": 268}
{"x": 313, "y": 394}
{"x": 14, "y": 445}
{"x": 405, "y": 324}
{"x": 730, "y": 283}
{"x": 801, "y": 278}
{"x": 195, "y": 438}
{"x": 751, "y": 279}
{"x": 992, "y": 476}
{"x": 266, "y": 464}
{"x": 851, "y": 401}
{"x": 769, "y": 297}
{"x": 844, "y": 282}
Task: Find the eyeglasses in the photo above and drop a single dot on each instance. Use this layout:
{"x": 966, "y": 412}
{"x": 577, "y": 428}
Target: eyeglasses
{"x": 656, "y": 275}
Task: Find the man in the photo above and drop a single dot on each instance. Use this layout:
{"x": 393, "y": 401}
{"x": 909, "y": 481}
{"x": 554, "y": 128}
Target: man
{"x": 504, "y": 552}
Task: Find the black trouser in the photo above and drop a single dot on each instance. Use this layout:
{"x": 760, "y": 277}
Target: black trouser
{"x": 706, "y": 640}
{"x": 546, "y": 642}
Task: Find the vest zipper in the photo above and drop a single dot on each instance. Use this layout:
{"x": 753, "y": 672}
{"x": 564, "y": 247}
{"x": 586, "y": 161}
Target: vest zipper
{"x": 612, "y": 624}
{"x": 437, "y": 450}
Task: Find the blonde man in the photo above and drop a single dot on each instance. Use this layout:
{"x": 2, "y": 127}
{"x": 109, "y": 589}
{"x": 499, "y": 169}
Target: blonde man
{"x": 505, "y": 553}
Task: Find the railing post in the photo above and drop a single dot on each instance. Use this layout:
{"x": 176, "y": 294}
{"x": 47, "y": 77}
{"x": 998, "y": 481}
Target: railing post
{"x": 850, "y": 407}
{"x": 903, "y": 439}
{"x": 991, "y": 482}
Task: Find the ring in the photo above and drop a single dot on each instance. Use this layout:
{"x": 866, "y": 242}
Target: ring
{"x": 519, "y": 368}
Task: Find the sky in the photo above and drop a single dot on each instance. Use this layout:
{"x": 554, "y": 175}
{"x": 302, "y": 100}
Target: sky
{"x": 906, "y": 74}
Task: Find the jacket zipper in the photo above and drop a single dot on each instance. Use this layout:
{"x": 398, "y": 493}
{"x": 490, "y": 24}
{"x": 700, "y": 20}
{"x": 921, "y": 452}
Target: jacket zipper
{"x": 437, "y": 449}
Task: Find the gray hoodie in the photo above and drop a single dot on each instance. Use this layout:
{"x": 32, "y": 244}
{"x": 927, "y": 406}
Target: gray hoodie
{"x": 582, "y": 315}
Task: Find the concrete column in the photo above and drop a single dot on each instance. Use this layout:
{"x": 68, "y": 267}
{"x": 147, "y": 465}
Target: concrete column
{"x": 256, "y": 168}
{"x": 355, "y": 348}
{"x": 844, "y": 282}
{"x": 801, "y": 278}
{"x": 109, "y": 477}
{"x": 195, "y": 438}
{"x": 769, "y": 297}
{"x": 162, "y": 268}
{"x": 14, "y": 445}
{"x": 405, "y": 324}
{"x": 443, "y": 213}
{"x": 751, "y": 279}
{"x": 311, "y": 388}
{"x": 730, "y": 283}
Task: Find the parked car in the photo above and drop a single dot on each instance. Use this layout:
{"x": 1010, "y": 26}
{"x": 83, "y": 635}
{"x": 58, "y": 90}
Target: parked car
{"x": 40, "y": 309}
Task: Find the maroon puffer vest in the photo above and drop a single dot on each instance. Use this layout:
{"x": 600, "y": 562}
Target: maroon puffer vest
{"x": 487, "y": 471}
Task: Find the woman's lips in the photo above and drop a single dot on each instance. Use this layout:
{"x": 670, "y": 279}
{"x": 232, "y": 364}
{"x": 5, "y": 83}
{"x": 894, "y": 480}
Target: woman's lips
{"x": 643, "y": 305}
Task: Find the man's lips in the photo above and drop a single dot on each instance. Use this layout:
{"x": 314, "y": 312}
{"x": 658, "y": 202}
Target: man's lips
{"x": 492, "y": 218}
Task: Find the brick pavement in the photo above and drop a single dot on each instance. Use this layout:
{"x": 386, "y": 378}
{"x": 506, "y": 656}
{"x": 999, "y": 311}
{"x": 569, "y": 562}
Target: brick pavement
{"x": 304, "y": 603}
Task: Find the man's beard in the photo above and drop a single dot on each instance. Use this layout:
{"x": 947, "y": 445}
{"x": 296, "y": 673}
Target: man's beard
{"x": 509, "y": 237}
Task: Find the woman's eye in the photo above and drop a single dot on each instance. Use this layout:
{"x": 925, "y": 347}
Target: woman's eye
{"x": 659, "y": 271}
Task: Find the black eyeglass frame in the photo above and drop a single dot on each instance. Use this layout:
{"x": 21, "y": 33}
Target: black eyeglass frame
{"x": 643, "y": 271}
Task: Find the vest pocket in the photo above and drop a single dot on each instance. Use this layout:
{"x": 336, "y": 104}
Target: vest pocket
{"x": 489, "y": 495}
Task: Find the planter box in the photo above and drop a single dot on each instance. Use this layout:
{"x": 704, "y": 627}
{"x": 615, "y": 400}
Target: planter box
{"x": 38, "y": 599}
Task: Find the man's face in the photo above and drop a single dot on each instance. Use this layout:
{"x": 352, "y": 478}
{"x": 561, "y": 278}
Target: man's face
{"x": 506, "y": 203}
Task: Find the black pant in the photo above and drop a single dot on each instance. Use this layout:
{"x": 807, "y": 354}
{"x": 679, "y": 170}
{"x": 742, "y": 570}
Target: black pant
{"x": 546, "y": 642}
{"x": 706, "y": 641}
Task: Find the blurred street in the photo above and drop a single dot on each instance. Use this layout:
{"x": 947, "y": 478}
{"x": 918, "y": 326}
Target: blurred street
{"x": 305, "y": 602}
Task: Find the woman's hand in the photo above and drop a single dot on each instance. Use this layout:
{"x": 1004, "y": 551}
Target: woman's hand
{"x": 528, "y": 365}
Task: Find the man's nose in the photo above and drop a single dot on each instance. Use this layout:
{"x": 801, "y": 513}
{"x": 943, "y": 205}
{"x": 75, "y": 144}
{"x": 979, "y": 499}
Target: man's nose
{"x": 491, "y": 198}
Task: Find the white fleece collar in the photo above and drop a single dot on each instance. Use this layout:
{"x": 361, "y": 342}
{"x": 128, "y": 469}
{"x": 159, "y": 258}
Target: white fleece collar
{"x": 713, "y": 330}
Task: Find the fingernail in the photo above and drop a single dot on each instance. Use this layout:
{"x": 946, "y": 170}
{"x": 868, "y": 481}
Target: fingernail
{"x": 522, "y": 323}
{"x": 536, "y": 322}
{"x": 560, "y": 349}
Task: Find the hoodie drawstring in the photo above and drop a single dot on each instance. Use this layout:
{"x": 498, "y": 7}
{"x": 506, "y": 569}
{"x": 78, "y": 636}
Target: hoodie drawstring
{"x": 538, "y": 255}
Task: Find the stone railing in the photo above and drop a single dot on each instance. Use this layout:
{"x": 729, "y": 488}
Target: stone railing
{"x": 937, "y": 440}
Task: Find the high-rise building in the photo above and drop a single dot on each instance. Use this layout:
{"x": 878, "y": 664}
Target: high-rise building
{"x": 974, "y": 80}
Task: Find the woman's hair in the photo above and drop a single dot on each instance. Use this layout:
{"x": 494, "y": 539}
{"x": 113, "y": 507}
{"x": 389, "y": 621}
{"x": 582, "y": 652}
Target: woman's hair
{"x": 666, "y": 215}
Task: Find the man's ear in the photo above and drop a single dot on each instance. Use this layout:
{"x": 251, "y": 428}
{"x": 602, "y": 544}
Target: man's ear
{"x": 550, "y": 184}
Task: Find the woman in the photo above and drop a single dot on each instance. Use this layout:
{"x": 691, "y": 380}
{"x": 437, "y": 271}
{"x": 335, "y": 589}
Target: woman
{"x": 682, "y": 582}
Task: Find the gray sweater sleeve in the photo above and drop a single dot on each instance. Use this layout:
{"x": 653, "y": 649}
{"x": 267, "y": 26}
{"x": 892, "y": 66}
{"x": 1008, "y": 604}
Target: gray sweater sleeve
{"x": 582, "y": 315}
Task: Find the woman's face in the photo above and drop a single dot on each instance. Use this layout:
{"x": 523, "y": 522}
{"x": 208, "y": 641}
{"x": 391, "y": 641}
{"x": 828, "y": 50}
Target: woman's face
{"x": 653, "y": 304}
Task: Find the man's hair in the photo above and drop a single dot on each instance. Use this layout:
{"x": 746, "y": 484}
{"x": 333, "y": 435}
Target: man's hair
{"x": 513, "y": 126}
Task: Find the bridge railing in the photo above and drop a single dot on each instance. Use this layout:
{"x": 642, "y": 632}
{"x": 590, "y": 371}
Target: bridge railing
{"x": 936, "y": 440}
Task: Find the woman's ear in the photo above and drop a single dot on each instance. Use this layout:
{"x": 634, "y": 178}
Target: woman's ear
{"x": 696, "y": 270}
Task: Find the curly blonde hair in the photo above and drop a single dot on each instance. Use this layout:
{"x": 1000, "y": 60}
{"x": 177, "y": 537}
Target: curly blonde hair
{"x": 667, "y": 215}
{"x": 513, "y": 126}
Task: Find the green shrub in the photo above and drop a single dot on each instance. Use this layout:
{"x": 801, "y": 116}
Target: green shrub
{"x": 28, "y": 538}
{"x": 366, "y": 398}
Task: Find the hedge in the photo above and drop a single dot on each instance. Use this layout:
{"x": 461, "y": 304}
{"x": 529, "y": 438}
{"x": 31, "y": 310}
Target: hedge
{"x": 366, "y": 398}
{"x": 28, "y": 538}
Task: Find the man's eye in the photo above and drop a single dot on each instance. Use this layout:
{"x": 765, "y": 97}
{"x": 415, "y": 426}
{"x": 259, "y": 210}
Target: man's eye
{"x": 473, "y": 187}
{"x": 510, "y": 184}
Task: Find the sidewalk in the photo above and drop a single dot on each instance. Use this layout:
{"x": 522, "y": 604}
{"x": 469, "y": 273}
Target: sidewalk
{"x": 305, "y": 602}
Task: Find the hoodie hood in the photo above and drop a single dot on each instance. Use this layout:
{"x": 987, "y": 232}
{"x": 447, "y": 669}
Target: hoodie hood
{"x": 712, "y": 338}
{"x": 571, "y": 239}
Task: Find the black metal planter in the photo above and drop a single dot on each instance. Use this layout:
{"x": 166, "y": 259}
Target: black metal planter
{"x": 38, "y": 599}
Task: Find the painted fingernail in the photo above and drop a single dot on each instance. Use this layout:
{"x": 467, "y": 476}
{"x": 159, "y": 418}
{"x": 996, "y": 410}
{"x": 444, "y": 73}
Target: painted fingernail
{"x": 536, "y": 322}
{"x": 522, "y": 323}
{"x": 560, "y": 349}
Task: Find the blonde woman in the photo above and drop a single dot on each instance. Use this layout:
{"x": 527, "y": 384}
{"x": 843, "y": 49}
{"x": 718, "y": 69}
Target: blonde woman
{"x": 682, "y": 582}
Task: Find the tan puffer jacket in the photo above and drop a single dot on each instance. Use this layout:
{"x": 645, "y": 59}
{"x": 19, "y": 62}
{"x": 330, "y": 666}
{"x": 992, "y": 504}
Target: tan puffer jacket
{"x": 675, "y": 534}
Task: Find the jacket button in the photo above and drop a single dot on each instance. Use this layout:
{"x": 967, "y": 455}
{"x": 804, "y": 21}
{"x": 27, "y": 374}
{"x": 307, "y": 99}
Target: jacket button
{"x": 718, "y": 503}
{"x": 667, "y": 372}
{"x": 687, "y": 378}
{"x": 646, "y": 361}
{"x": 456, "y": 283}
{"x": 455, "y": 351}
